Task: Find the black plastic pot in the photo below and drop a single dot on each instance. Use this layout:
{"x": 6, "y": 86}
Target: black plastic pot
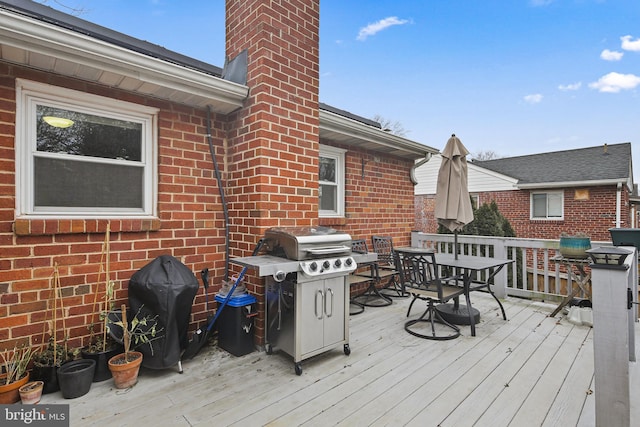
{"x": 75, "y": 377}
{"x": 48, "y": 375}
{"x": 101, "y": 358}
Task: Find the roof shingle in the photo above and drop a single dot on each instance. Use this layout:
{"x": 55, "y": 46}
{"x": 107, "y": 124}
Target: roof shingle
{"x": 600, "y": 163}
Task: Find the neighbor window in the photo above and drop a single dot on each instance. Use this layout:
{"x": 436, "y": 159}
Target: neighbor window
{"x": 331, "y": 187}
{"x": 475, "y": 201}
{"x": 547, "y": 205}
{"x": 83, "y": 155}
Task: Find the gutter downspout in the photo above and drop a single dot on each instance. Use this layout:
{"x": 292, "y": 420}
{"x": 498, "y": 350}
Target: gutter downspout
{"x": 221, "y": 190}
{"x": 412, "y": 173}
{"x": 618, "y": 201}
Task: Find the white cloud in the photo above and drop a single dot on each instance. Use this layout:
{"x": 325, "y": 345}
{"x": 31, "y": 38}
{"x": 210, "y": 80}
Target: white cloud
{"x": 628, "y": 44}
{"x": 382, "y": 24}
{"x": 615, "y": 82}
{"x": 571, "y": 86}
{"x": 611, "y": 55}
{"x": 535, "y": 98}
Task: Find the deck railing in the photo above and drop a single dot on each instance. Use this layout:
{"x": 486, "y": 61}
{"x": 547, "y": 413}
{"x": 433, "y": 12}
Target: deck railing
{"x": 535, "y": 274}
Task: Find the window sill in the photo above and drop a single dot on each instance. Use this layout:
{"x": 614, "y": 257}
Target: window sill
{"x": 332, "y": 221}
{"x": 47, "y": 227}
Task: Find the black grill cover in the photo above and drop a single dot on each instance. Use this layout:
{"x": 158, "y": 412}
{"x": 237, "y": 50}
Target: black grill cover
{"x": 164, "y": 287}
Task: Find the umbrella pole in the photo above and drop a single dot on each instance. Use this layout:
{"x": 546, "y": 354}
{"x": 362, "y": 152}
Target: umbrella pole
{"x": 455, "y": 244}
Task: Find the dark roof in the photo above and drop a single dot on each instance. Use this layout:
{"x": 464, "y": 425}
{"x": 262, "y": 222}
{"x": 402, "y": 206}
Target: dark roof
{"x": 52, "y": 16}
{"x": 47, "y": 14}
{"x": 350, "y": 115}
{"x": 601, "y": 163}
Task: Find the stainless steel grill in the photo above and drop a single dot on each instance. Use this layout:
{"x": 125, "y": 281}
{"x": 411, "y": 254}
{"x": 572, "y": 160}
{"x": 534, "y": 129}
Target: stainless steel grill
{"x": 322, "y": 251}
{"x": 307, "y": 294}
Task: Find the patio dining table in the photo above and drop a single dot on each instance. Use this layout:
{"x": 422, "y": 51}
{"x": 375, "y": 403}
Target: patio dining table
{"x": 470, "y": 267}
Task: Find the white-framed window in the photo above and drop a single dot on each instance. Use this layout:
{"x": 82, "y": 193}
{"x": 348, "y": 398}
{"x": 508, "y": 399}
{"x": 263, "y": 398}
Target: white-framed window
{"x": 83, "y": 155}
{"x": 547, "y": 205}
{"x": 331, "y": 177}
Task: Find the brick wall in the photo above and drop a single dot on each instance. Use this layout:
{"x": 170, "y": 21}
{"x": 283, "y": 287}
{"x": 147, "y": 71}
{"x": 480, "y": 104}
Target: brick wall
{"x": 379, "y": 200}
{"x": 190, "y": 225}
{"x": 590, "y": 210}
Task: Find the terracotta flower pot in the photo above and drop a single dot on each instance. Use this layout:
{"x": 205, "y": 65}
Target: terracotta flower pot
{"x": 125, "y": 372}
{"x": 31, "y": 392}
{"x": 9, "y": 392}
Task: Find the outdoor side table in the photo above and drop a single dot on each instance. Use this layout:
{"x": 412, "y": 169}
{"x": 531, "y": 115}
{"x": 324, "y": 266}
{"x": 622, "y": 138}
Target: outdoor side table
{"x": 575, "y": 272}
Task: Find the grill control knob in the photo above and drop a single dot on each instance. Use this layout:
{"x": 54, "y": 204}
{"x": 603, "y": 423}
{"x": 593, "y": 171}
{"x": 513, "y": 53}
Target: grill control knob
{"x": 348, "y": 262}
{"x": 338, "y": 263}
{"x": 313, "y": 266}
{"x": 326, "y": 265}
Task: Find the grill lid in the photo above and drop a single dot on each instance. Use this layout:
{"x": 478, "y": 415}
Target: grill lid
{"x": 307, "y": 242}
{"x": 302, "y": 232}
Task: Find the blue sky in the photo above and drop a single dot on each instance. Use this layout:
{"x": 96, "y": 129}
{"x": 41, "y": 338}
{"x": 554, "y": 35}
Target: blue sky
{"x": 510, "y": 76}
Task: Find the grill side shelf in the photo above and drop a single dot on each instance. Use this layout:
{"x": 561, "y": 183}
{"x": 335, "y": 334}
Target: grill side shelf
{"x": 267, "y": 265}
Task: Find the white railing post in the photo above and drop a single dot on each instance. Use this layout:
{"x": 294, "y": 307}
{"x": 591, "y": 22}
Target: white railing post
{"x": 612, "y": 340}
{"x": 500, "y": 279}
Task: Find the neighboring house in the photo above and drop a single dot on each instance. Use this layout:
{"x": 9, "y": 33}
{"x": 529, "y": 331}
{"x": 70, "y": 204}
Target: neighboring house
{"x": 136, "y": 156}
{"x": 542, "y": 195}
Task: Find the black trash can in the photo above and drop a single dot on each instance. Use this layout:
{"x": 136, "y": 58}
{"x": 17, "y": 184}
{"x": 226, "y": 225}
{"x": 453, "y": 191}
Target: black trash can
{"x": 235, "y": 324}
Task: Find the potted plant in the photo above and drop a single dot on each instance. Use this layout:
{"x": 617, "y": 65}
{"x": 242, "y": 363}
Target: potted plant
{"x": 14, "y": 373}
{"x": 101, "y": 346}
{"x": 48, "y": 360}
{"x": 101, "y": 350}
{"x": 574, "y": 246}
{"x": 31, "y": 392}
{"x": 140, "y": 330}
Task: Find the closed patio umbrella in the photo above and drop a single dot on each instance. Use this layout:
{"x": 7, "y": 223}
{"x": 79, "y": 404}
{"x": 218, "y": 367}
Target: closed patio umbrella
{"x": 452, "y": 205}
{"x": 453, "y": 210}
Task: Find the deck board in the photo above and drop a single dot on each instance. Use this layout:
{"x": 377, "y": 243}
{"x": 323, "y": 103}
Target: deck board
{"x": 471, "y": 370}
{"x": 570, "y": 400}
{"x": 507, "y": 359}
{"x": 530, "y": 370}
{"x": 551, "y": 379}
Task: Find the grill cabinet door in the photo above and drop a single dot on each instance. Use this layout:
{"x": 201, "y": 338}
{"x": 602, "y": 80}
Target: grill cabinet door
{"x": 322, "y": 314}
{"x": 312, "y": 316}
{"x": 334, "y": 311}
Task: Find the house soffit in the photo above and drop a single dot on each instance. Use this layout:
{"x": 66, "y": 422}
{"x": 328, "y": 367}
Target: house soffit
{"x": 27, "y": 41}
{"x": 337, "y": 128}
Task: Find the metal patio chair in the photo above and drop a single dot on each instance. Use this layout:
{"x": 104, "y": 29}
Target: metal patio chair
{"x": 367, "y": 273}
{"x": 383, "y": 246}
{"x": 419, "y": 277}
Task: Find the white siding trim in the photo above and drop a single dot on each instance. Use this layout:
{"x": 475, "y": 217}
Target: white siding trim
{"x": 480, "y": 179}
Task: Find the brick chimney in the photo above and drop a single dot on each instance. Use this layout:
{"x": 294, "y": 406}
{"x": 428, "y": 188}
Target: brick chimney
{"x": 273, "y": 140}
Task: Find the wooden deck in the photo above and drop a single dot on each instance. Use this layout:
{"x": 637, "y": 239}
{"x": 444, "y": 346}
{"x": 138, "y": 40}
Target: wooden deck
{"x": 531, "y": 370}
